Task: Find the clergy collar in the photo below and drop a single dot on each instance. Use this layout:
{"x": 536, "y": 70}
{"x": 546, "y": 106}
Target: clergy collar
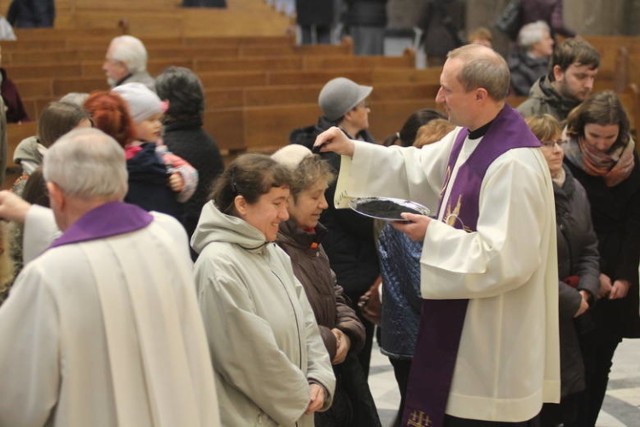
{"x": 480, "y": 131}
{"x": 106, "y": 220}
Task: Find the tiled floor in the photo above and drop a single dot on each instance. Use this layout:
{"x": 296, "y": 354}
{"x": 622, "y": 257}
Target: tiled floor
{"x": 621, "y": 406}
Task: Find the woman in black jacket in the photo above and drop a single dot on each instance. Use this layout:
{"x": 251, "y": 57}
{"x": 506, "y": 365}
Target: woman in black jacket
{"x": 601, "y": 155}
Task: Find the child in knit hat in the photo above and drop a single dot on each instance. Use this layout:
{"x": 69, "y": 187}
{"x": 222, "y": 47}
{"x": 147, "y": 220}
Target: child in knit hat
{"x": 146, "y": 110}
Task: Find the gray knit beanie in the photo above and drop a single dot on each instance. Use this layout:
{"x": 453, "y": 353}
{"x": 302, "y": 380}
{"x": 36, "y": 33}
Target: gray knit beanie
{"x": 341, "y": 95}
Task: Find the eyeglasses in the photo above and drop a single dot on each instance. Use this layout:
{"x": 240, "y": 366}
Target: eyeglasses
{"x": 551, "y": 144}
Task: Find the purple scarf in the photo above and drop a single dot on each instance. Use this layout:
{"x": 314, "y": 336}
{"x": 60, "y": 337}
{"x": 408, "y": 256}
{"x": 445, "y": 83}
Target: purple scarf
{"x": 107, "y": 220}
{"x": 441, "y": 321}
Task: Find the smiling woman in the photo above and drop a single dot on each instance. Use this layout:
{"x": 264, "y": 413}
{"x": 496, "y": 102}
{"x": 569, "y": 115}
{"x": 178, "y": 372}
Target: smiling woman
{"x": 270, "y": 363}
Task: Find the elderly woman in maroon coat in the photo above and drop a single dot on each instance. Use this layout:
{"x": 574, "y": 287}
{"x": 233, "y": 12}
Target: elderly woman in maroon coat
{"x": 341, "y": 330}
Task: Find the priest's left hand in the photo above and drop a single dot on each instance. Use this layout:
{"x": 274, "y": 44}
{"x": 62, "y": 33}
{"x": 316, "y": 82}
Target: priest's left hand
{"x": 415, "y": 227}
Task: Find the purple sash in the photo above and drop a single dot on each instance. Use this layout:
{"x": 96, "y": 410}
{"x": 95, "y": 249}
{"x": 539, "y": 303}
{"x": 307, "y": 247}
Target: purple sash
{"x": 110, "y": 219}
{"x": 441, "y": 321}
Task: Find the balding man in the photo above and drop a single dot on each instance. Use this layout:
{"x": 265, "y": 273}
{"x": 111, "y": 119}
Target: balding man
{"x": 103, "y": 328}
{"x": 126, "y": 62}
{"x": 487, "y": 352}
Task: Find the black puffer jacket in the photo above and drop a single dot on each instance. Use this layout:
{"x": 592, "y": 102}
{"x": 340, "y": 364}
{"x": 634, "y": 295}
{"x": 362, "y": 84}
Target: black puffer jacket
{"x": 188, "y": 140}
{"x": 577, "y": 256}
{"x": 525, "y": 71}
{"x": 616, "y": 220}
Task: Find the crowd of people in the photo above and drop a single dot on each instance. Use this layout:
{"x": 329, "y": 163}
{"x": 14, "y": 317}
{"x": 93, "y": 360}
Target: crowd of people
{"x": 144, "y": 282}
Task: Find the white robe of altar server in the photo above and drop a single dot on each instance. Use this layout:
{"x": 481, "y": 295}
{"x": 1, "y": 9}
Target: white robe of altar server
{"x": 508, "y": 359}
{"x": 129, "y": 352}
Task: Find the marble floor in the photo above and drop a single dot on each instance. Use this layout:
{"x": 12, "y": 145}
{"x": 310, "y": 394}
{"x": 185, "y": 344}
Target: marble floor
{"x": 621, "y": 407}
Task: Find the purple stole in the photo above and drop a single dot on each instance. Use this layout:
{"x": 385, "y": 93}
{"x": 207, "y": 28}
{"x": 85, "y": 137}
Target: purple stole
{"x": 441, "y": 321}
{"x": 107, "y": 220}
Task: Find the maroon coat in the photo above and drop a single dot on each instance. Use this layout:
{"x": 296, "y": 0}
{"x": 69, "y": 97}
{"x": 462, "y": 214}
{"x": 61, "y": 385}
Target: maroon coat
{"x": 15, "y": 110}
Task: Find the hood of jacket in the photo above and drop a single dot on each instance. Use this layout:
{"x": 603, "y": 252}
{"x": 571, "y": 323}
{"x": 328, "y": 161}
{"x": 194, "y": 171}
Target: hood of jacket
{"x": 215, "y": 226}
{"x": 29, "y": 151}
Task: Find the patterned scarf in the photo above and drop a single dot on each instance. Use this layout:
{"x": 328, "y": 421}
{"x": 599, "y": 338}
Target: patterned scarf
{"x": 613, "y": 167}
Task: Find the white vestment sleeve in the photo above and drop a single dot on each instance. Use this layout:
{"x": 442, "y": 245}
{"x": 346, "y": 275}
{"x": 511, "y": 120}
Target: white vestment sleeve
{"x": 29, "y": 362}
{"x": 40, "y": 230}
{"x": 505, "y": 250}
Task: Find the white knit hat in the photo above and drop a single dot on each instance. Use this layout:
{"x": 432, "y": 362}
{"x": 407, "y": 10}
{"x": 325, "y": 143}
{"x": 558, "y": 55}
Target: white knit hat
{"x": 143, "y": 102}
{"x": 291, "y": 155}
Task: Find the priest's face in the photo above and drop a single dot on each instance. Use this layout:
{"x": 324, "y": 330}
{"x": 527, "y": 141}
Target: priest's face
{"x": 307, "y": 207}
{"x": 268, "y": 212}
{"x": 458, "y": 103}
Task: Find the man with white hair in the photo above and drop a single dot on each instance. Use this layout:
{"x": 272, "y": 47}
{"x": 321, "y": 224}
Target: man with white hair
{"x": 126, "y": 62}
{"x": 103, "y": 328}
{"x": 530, "y": 60}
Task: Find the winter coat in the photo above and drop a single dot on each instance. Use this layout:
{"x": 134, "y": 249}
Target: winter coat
{"x": 350, "y": 243}
{"x": 616, "y": 220}
{"x": 543, "y": 99}
{"x": 311, "y": 266}
{"x": 525, "y": 71}
{"x": 315, "y": 12}
{"x": 188, "y": 140}
{"x": 370, "y": 13}
{"x": 400, "y": 270}
{"x": 265, "y": 344}
{"x": 353, "y": 404}
{"x": 12, "y": 100}
{"x": 148, "y": 183}
{"x": 577, "y": 256}
{"x": 441, "y": 22}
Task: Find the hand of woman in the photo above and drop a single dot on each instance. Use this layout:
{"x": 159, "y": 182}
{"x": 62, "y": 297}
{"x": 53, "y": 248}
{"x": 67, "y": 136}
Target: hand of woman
{"x": 584, "y": 304}
{"x": 619, "y": 289}
{"x": 316, "y": 398}
{"x": 343, "y": 344}
{"x": 605, "y": 285}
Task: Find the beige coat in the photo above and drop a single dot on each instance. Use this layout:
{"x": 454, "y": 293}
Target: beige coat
{"x": 265, "y": 344}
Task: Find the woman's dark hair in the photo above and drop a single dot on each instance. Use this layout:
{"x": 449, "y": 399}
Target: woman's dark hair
{"x": 409, "y": 130}
{"x": 183, "y": 89}
{"x": 603, "y": 108}
{"x": 35, "y": 189}
{"x": 250, "y": 176}
{"x": 57, "y": 119}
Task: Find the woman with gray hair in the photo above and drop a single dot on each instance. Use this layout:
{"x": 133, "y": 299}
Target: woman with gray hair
{"x": 185, "y": 136}
{"x": 530, "y": 60}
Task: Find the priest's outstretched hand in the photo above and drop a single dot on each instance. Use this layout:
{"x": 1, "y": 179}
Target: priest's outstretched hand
{"x": 12, "y": 207}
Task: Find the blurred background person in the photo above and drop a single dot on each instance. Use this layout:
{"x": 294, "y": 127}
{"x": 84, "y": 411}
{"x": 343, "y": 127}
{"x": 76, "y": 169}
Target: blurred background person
{"x": 126, "y": 62}
{"x": 530, "y": 60}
